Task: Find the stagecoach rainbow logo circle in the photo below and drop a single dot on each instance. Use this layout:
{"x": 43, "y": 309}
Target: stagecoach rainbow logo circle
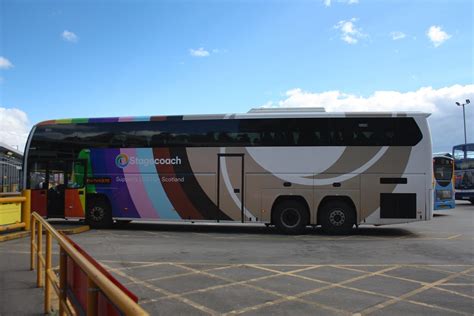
{"x": 122, "y": 160}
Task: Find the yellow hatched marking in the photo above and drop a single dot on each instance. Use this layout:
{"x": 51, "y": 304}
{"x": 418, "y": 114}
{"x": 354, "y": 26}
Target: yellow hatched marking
{"x": 246, "y": 283}
{"x": 137, "y": 266}
{"x": 165, "y": 292}
{"x": 231, "y": 282}
{"x": 414, "y": 292}
{"x": 304, "y": 267}
{"x": 188, "y": 273}
{"x": 298, "y": 296}
{"x": 416, "y": 281}
{"x": 339, "y": 285}
{"x": 283, "y": 297}
{"x": 453, "y": 292}
{"x": 434, "y": 307}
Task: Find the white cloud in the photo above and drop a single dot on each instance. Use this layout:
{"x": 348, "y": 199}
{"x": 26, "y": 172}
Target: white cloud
{"x": 445, "y": 121}
{"x": 69, "y": 36}
{"x": 200, "y": 52}
{"x": 327, "y": 3}
{"x": 436, "y": 35}
{"x": 350, "y": 33}
{"x": 5, "y": 63}
{"x": 397, "y": 35}
{"x": 14, "y": 127}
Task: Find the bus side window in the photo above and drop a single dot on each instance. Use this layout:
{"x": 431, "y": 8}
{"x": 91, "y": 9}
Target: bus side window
{"x": 37, "y": 176}
{"x": 267, "y": 138}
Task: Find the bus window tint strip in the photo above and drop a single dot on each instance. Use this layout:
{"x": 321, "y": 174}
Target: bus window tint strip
{"x": 233, "y": 133}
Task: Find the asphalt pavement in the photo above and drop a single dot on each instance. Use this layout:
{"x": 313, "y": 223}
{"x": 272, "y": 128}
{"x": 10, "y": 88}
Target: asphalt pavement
{"x": 423, "y": 268}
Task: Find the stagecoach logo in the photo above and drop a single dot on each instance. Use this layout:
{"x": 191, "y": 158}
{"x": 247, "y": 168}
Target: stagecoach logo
{"x": 123, "y": 160}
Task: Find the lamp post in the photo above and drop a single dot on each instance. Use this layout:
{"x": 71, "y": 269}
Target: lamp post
{"x": 464, "y": 117}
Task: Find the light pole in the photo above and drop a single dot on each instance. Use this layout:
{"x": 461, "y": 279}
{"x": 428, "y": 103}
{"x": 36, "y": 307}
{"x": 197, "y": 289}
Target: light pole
{"x": 464, "y": 117}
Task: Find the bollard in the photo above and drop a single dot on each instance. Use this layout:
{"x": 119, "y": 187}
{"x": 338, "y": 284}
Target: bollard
{"x": 32, "y": 243}
{"x": 26, "y": 209}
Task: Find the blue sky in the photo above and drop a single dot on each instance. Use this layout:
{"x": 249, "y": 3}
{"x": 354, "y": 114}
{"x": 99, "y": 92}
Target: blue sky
{"x": 66, "y": 59}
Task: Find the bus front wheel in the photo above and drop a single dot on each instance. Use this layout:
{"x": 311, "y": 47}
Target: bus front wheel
{"x": 290, "y": 217}
{"x": 99, "y": 214}
{"x": 337, "y": 218}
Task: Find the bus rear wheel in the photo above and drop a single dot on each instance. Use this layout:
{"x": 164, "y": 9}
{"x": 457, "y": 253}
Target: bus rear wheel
{"x": 337, "y": 218}
{"x": 98, "y": 214}
{"x": 290, "y": 217}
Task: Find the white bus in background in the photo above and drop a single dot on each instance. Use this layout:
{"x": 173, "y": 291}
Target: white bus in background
{"x": 291, "y": 168}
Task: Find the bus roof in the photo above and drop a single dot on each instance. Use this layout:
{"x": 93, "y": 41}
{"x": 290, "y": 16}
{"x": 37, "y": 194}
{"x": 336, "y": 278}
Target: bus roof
{"x": 443, "y": 155}
{"x": 253, "y": 113}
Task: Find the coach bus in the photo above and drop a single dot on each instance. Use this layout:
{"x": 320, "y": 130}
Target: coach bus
{"x": 464, "y": 171}
{"x": 290, "y": 168}
{"x": 443, "y": 181}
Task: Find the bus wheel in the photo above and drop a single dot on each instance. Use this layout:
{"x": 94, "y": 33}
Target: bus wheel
{"x": 290, "y": 217}
{"x": 98, "y": 214}
{"x": 337, "y": 218}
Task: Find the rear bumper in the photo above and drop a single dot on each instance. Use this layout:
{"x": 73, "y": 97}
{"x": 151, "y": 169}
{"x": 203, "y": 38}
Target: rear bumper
{"x": 464, "y": 195}
{"x": 443, "y": 205}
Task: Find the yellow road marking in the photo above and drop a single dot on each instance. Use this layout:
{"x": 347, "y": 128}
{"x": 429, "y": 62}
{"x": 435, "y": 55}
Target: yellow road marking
{"x": 165, "y": 292}
{"x": 246, "y": 283}
{"x": 414, "y": 292}
{"x": 418, "y": 282}
{"x": 184, "y": 274}
{"x": 283, "y": 296}
{"x": 137, "y": 266}
{"x": 339, "y": 285}
{"x": 298, "y": 297}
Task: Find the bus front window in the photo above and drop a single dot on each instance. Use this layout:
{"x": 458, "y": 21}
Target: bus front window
{"x": 443, "y": 169}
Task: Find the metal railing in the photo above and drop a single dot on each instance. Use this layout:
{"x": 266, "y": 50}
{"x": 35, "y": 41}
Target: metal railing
{"x": 97, "y": 282}
{"x": 10, "y": 174}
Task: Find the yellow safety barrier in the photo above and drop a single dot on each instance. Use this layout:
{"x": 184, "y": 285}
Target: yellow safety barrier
{"x": 97, "y": 282}
{"x": 10, "y": 210}
{"x": 15, "y": 214}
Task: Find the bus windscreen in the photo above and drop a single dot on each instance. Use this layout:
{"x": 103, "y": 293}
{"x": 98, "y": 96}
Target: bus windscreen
{"x": 443, "y": 169}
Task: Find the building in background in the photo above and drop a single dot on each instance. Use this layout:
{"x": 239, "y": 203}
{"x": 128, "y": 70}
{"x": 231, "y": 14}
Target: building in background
{"x": 10, "y": 169}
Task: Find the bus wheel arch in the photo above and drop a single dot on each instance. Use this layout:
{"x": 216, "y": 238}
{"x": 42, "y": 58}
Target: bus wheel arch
{"x": 337, "y": 215}
{"x": 290, "y": 214}
{"x": 98, "y": 211}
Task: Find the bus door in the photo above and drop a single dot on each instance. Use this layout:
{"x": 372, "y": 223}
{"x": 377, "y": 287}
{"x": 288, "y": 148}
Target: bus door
{"x": 38, "y": 186}
{"x": 58, "y": 188}
{"x": 56, "y": 183}
{"x": 230, "y": 182}
{"x": 75, "y": 190}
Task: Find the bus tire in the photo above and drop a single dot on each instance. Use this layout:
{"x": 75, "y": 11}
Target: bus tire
{"x": 337, "y": 218}
{"x": 290, "y": 217}
{"x": 99, "y": 214}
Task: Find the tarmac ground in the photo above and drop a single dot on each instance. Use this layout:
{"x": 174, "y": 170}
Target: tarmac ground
{"x": 423, "y": 268}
